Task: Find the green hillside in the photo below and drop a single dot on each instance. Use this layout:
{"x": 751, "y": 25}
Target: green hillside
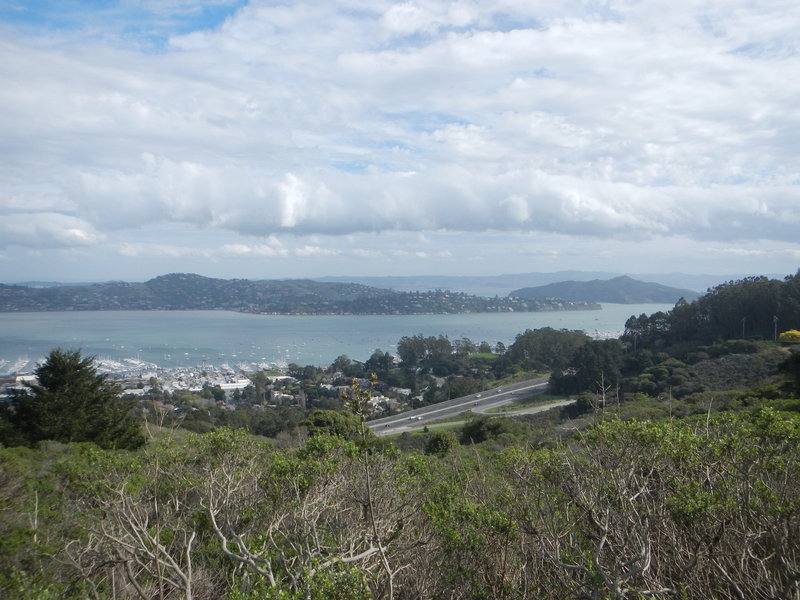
{"x": 674, "y": 474}
{"x": 619, "y": 290}
{"x": 183, "y": 291}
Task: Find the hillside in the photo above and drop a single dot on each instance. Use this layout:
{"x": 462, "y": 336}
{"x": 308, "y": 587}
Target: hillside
{"x": 182, "y": 291}
{"x": 501, "y": 285}
{"x": 675, "y": 472}
{"x": 619, "y": 290}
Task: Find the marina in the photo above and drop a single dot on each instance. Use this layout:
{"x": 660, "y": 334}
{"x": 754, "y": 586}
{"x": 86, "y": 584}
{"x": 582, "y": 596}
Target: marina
{"x": 136, "y": 341}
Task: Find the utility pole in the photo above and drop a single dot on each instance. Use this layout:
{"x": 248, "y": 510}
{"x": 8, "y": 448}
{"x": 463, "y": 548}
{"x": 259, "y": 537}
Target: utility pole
{"x": 775, "y": 323}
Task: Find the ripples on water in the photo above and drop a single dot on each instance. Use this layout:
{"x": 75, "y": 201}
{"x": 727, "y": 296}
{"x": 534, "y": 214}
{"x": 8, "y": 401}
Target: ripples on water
{"x": 183, "y": 338}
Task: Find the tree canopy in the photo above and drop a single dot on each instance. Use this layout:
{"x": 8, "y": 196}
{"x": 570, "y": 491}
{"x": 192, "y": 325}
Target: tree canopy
{"x": 70, "y": 402}
{"x": 332, "y": 422}
{"x": 754, "y": 307}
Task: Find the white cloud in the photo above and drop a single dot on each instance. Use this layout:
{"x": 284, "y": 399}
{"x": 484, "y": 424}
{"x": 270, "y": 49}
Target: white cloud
{"x": 308, "y": 251}
{"x": 271, "y": 249}
{"x": 158, "y": 251}
{"x": 588, "y": 120}
{"x": 46, "y": 230}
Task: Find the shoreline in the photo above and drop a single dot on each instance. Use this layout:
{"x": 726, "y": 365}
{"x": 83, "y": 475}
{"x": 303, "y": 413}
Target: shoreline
{"x": 131, "y": 341}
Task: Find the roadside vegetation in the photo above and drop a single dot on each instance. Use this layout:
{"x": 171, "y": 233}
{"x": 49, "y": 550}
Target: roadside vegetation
{"x": 527, "y": 402}
{"x": 675, "y": 474}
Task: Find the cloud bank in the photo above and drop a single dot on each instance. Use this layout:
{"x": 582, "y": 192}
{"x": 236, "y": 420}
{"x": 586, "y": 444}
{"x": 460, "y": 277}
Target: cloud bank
{"x": 586, "y": 120}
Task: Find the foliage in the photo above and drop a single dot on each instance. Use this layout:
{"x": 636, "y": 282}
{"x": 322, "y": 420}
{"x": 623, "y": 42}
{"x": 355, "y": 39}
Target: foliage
{"x": 652, "y": 495}
{"x": 751, "y": 307}
{"x": 483, "y": 428}
{"x": 546, "y": 348}
{"x": 433, "y": 353}
{"x": 699, "y": 508}
{"x": 71, "y": 402}
{"x": 441, "y": 442}
{"x": 791, "y": 336}
{"x": 791, "y": 368}
{"x": 330, "y": 422}
{"x": 185, "y": 291}
{"x": 595, "y": 366}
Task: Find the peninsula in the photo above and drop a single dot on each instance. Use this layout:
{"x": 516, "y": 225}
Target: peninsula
{"x": 184, "y": 291}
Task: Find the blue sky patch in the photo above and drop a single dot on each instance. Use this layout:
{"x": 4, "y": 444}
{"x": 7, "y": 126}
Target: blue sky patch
{"x": 150, "y": 22}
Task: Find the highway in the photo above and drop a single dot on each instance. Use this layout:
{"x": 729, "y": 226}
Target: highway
{"x": 479, "y": 403}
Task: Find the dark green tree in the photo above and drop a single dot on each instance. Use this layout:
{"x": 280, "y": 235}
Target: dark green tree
{"x": 441, "y": 442}
{"x": 791, "y": 368}
{"x": 379, "y": 363}
{"x": 71, "y": 402}
{"x": 339, "y": 423}
{"x": 546, "y": 348}
{"x": 464, "y": 386}
{"x": 341, "y": 363}
{"x": 412, "y": 350}
{"x": 595, "y": 367}
{"x": 464, "y": 346}
{"x": 753, "y": 307}
{"x": 482, "y": 428}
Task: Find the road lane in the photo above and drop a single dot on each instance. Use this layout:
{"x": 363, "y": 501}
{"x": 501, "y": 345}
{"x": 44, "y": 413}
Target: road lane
{"x": 480, "y": 403}
{"x": 512, "y": 413}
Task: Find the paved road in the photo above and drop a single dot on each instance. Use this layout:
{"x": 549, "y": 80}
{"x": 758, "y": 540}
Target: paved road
{"x": 479, "y": 403}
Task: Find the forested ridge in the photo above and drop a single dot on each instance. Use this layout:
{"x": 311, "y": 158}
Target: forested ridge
{"x": 621, "y": 290}
{"x": 675, "y": 475}
{"x": 187, "y": 291}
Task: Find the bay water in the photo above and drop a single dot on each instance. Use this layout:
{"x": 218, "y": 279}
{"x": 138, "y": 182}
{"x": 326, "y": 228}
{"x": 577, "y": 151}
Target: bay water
{"x": 189, "y": 338}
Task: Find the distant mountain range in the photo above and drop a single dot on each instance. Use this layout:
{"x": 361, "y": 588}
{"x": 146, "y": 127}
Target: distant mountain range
{"x": 619, "y": 290}
{"x": 182, "y": 291}
{"x": 502, "y": 285}
{"x": 498, "y": 285}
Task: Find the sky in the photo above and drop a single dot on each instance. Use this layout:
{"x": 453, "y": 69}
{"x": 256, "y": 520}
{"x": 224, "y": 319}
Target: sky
{"x": 264, "y": 139}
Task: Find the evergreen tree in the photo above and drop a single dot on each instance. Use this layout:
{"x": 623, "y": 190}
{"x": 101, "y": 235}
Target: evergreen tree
{"x": 70, "y": 402}
{"x": 441, "y": 442}
{"x": 595, "y": 365}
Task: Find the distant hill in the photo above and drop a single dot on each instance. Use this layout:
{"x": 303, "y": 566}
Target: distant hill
{"x": 501, "y": 285}
{"x": 479, "y": 285}
{"x": 182, "y": 291}
{"x": 493, "y": 285}
{"x": 619, "y": 290}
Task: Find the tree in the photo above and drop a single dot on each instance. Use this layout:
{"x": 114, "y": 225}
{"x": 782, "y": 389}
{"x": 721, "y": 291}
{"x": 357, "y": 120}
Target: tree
{"x": 482, "y": 428}
{"x": 441, "y": 442}
{"x": 790, "y": 337}
{"x": 412, "y": 350}
{"x": 595, "y": 367}
{"x": 464, "y": 346}
{"x": 546, "y": 347}
{"x": 331, "y": 422}
{"x": 380, "y": 362}
{"x": 791, "y": 368}
{"x": 463, "y": 386}
{"x": 71, "y": 402}
{"x": 342, "y": 363}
